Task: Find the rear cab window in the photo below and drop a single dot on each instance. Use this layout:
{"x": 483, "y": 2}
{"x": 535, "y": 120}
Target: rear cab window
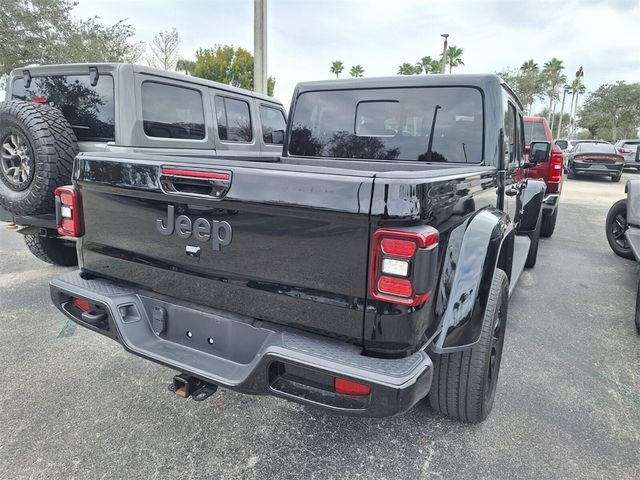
{"x": 170, "y": 111}
{"x": 89, "y": 109}
{"x": 391, "y": 124}
{"x": 534, "y": 132}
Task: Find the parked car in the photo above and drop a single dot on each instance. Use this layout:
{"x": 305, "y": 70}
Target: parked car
{"x": 537, "y": 129}
{"x": 623, "y": 231}
{"x": 630, "y": 151}
{"x": 366, "y": 268}
{"x": 51, "y": 113}
{"x": 564, "y": 144}
{"x": 595, "y": 158}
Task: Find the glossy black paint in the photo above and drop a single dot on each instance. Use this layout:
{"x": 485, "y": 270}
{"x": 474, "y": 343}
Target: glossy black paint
{"x": 302, "y": 228}
{"x": 298, "y": 254}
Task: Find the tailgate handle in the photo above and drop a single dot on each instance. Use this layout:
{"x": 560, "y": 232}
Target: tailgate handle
{"x": 195, "y": 183}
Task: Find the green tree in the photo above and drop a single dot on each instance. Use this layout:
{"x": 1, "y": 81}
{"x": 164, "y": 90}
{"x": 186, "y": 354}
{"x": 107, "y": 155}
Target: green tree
{"x": 554, "y": 76}
{"x": 430, "y": 65}
{"x": 454, "y": 57}
{"x": 409, "y": 69}
{"x": 337, "y": 66}
{"x": 356, "y": 71}
{"x": 228, "y": 64}
{"x": 164, "y": 49}
{"x": 45, "y": 31}
{"x": 612, "y": 111}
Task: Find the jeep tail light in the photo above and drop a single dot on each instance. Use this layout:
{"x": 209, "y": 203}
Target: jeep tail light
{"x": 403, "y": 265}
{"x": 68, "y": 212}
{"x": 555, "y": 166}
{"x": 39, "y": 99}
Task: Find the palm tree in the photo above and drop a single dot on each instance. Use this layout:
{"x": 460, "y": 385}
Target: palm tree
{"x": 577, "y": 89}
{"x": 337, "y": 66}
{"x": 430, "y": 65}
{"x": 409, "y": 69}
{"x": 186, "y": 66}
{"x": 552, "y": 71}
{"x": 454, "y": 57}
{"x": 529, "y": 83}
{"x": 356, "y": 71}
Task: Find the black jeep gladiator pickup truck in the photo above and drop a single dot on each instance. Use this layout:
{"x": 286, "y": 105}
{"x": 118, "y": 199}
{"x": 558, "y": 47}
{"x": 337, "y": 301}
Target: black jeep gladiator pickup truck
{"x": 369, "y": 267}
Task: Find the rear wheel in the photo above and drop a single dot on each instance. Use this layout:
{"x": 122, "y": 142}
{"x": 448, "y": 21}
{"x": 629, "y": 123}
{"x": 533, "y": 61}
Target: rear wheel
{"x": 616, "y": 178}
{"x": 570, "y": 173}
{"x": 464, "y": 383}
{"x": 549, "y": 224}
{"x": 52, "y": 250}
{"x": 616, "y": 227}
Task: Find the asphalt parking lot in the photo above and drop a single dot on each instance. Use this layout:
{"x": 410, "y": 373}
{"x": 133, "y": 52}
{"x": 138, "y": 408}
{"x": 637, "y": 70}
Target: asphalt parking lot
{"x": 73, "y": 404}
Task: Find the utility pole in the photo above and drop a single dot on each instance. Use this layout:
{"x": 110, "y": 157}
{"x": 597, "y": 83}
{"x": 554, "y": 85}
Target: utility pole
{"x": 444, "y": 52}
{"x": 565, "y": 89}
{"x": 260, "y": 46}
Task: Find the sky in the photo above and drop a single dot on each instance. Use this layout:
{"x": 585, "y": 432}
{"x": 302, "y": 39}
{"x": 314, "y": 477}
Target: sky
{"x": 304, "y": 36}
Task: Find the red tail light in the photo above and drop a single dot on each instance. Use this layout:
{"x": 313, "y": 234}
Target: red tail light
{"x": 39, "y": 99}
{"x": 555, "y": 166}
{"x": 403, "y": 262}
{"x": 68, "y": 212}
{"x": 347, "y": 387}
{"x": 82, "y": 304}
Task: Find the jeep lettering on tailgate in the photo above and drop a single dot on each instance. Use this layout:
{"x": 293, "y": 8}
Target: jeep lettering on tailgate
{"x": 218, "y": 231}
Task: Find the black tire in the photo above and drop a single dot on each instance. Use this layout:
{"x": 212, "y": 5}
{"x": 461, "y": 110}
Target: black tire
{"x": 570, "y": 173}
{"x": 52, "y": 250}
{"x": 637, "y": 316}
{"x": 532, "y": 256}
{"x": 548, "y": 224}
{"x": 617, "y": 178}
{"x": 464, "y": 383}
{"x": 48, "y": 147}
{"x": 616, "y": 226}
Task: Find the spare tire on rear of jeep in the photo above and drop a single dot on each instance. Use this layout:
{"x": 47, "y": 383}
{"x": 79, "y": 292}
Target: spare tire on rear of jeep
{"x": 37, "y": 148}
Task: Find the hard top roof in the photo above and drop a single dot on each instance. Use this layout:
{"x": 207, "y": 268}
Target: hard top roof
{"x": 80, "y": 68}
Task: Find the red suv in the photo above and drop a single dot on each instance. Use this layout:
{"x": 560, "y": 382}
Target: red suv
{"x": 537, "y": 129}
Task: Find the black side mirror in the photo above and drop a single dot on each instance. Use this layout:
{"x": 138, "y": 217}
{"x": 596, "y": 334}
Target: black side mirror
{"x": 276, "y": 137}
{"x": 538, "y": 152}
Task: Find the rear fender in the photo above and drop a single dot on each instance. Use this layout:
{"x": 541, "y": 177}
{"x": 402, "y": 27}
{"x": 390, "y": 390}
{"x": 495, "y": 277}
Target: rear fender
{"x": 472, "y": 254}
{"x": 529, "y": 204}
{"x": 632, "y": 189}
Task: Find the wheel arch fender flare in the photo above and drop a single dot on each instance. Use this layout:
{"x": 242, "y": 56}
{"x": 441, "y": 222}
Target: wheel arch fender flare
{"x": 484, "y": 244}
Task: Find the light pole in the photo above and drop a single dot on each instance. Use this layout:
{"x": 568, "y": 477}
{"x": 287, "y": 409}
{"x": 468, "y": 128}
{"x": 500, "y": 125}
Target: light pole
{"x": 565, "y": 89}
{"x": 444, "y": 52}
{"x": 260, "y": 46}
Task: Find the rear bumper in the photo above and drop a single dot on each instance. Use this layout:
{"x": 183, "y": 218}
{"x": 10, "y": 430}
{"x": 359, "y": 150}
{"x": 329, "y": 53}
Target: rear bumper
{"x": 246, "y": 354}
{"x": 583, "y": 168}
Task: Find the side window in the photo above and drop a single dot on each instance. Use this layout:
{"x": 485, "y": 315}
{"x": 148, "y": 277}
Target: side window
{"x": 234, "y": 120}
{"x": 169, "y": 111}
{"x": 89, "y": 109}
{"x": 272, "y": 120}
{"x": 510, "y": 143}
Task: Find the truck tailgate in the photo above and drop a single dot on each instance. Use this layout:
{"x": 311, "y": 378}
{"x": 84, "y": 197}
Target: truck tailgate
{"x": 287, "y": 244}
